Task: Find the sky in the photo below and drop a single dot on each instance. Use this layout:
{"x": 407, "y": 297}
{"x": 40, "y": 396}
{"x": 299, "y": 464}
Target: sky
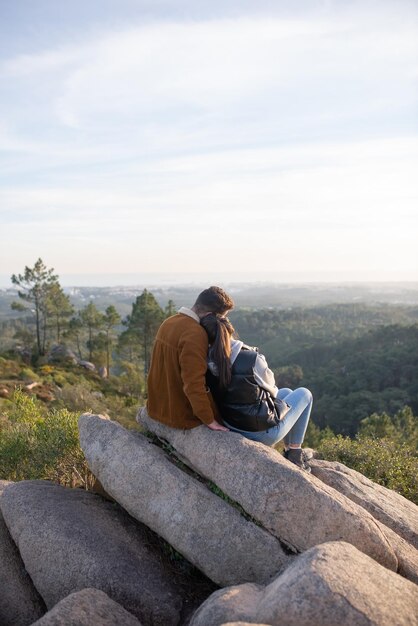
{"x": 184, "y": 138}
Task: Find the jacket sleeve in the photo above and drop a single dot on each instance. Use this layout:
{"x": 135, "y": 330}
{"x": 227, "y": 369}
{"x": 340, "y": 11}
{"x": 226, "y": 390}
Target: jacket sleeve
{"x": 264, "y": 376}
{"x": 193, "y": 348}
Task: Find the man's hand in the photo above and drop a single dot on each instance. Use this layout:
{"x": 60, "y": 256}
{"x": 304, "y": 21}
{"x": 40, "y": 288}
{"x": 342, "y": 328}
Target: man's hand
{"x": 216, "y": 426}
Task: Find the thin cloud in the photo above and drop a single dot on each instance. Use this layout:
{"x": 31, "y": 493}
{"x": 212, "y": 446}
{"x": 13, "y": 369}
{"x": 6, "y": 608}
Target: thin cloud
{"x": 256, "y": 125}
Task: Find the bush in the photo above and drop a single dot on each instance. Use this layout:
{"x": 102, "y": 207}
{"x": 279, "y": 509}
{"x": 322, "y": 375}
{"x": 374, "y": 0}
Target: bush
{"x": 39, "y": 444}
{"x": 382, "y": 460}
{"x": 314, "y": 435}
{"x": 122, "y": 410}
{"x": 58, "y": 376}
{"x": 29, "y": 375}
{"x": 81, "y": 399}
{"x": 401, "y": 427}
{"x": 130, "y": 381}
{"x": 9, "y": 368}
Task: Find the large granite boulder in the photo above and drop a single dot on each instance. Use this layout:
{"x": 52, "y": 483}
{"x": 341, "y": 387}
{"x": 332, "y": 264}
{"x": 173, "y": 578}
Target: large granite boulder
{"x": 61, "y": 353}
{"x": 333, "y": 583}
{"x": 87, "y": 365}
{"x": 406, "y": 554}
{"x": 20, "y": 603}
{"x": 209, "y": 532}
{"x": 70, "y": 539}
{"x": 86, "y": 608}
{"x": 395, "y": 511}
{"x": 294, "y": 506}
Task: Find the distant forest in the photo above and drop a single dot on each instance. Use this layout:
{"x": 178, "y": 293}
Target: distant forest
{"x": 356, "y": 359}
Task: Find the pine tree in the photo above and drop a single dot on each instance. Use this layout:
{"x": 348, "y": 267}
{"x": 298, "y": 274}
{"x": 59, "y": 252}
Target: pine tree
{"x": 111, "y": 319}
{"x": 93, "y": 320}
{"x": 142, "y": 325}
{"x": 74, "y": 332}
{"x": 59, "y": 307}
{"x": 36, "y": 283}
{"x": 170, "y": 309}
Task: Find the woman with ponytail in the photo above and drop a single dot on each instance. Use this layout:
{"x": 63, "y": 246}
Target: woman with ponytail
{"x": 248, "y": 399}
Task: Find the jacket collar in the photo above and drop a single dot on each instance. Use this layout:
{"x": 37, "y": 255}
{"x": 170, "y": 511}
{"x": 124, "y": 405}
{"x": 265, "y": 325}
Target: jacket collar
{"x": 185, "y": 311}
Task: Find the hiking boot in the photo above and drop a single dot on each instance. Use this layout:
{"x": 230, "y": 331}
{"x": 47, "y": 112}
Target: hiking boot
{"x": 298, "y": 457}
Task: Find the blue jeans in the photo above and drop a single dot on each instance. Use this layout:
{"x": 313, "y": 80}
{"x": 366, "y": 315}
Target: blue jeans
{"x": 292, "y": 427}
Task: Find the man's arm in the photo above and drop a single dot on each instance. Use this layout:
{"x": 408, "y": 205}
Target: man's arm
{"x": 193, "y": 349}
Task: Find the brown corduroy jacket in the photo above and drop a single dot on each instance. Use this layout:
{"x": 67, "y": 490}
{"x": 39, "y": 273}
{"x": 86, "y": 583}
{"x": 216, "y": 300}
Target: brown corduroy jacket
{"x": 177, "y": 392}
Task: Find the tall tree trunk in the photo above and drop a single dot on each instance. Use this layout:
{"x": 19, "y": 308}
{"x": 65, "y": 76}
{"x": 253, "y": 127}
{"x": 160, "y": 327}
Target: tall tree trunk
{"x": 90, "y": 346}
{"x": 145, "y": 355}
{"x": 58, "y": 329}
{"x": 78, "y": 346}
{"x": 107, "y": 355}
{"x": 38, "y": 327}
{"x": 43, "y": 334}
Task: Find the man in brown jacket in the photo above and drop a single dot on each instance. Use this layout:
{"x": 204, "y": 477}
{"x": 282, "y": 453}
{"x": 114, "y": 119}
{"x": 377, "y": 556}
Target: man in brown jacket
{"x": 177, "y": 392}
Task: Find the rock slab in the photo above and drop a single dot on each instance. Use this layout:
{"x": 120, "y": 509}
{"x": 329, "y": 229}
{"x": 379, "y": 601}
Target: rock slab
{"x": 20, "y": 603}
{"x": 70, "y": 540}
{"x": 406, "y": 554}
{"x": 205, "y": 529}
{"x": 333, "y": 583}
{"x": 294, "y": 506}
{"x": 85, "y": 608}
{"x": 384, "y": 504}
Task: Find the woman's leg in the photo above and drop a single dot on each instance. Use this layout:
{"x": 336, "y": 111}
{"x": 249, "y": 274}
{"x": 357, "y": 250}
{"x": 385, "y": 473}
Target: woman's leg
{"x": 282, "y": 393}
{"x": 292, "y": 427}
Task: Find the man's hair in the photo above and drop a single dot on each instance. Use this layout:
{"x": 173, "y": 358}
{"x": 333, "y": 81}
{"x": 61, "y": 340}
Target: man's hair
{"x": 214, "y": 300}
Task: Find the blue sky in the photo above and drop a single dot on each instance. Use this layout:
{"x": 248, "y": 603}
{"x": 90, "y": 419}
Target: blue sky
{"x": 217, "y": 139}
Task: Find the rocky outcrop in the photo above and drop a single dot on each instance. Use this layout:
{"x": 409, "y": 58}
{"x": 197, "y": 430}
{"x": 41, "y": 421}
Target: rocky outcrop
{"x": 87, "y": 365}
{"x": 61, "y": 353}
{"x": 86, "y": 608}
{"x": 384, "y": 504}
{"x": 20, "y": 604}
{"x": 73, "y": 547}
{"x": 333, "y": 583}
{"x": 209, "y": 532}
{"x": 406, "y": 554}
{"x": 294, "y": 506}
{"x": 398, "y": 516}
{"x": 70, "y": 539}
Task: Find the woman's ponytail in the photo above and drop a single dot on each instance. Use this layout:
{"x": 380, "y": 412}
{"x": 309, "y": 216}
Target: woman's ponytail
{"x": 219, "y": 330}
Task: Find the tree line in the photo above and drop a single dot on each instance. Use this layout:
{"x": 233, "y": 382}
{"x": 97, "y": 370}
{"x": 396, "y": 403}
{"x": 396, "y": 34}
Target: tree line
{"x": 354, "y": 358}
{"x": 50, "y": 318}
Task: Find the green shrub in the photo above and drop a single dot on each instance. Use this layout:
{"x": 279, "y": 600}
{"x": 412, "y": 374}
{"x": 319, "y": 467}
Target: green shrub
{"x": 382, "y": 460}
{"x": 67, "y": 376}
{"x": 401, "y": 427}
{"x": 39, "y": 444}
{"x": 122, "y": 410}
{"x": 59, "y": 379}
{"x": 314, "y": 435}
{"x": 81, "y": 399}
{"x": 58, "y": 376}
{"x": 9, "y": 368}
{"x": 28, "y": 375}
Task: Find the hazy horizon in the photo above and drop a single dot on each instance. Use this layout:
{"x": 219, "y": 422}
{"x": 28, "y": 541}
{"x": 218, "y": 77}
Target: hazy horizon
{"x": 155, "y": 279}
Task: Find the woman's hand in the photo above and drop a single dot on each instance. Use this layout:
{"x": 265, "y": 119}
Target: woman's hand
{"x": 216, "y": 426}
